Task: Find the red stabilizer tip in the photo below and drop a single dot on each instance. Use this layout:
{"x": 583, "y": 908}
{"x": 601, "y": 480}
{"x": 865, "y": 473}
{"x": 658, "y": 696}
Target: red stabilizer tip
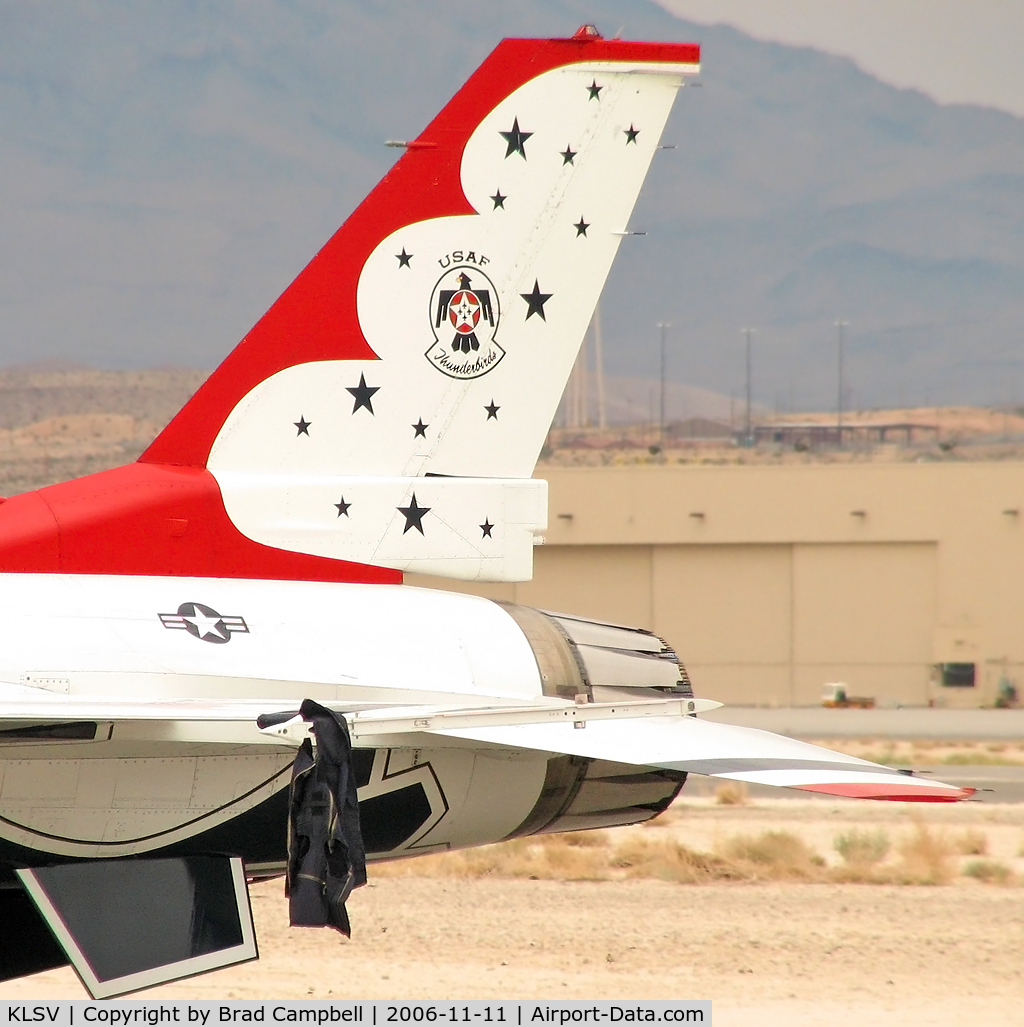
{"x": 891, "y": 793}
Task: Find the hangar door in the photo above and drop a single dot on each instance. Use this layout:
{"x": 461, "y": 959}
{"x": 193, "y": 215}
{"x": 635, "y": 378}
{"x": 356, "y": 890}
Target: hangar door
{"x": 864, "y": 614}
{"x": 771, "y": 624}
{"x": 727, "y": 610}
{"x": 763, "y": 625}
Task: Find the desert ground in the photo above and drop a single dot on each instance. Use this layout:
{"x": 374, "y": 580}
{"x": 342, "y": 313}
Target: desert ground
{"x": 60, "y": 421}
{"x": 753, "y": 915}
{"x": 748, "y": 903}
{"x": 950, "y": 434}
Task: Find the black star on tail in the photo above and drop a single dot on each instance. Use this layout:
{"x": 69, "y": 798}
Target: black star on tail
{"x": 413, "y": 514}
{"x": 536, "y": 301}
{"x": 516, "y": 140}
{"x": 363, "y": 394}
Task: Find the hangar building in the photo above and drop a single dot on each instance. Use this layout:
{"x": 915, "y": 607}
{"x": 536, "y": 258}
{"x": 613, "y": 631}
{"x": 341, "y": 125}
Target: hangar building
{"x": 904, "y": 581}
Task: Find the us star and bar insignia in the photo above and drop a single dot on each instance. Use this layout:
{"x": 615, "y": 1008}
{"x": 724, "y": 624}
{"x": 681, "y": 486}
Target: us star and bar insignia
{"x": 205, "y": 623}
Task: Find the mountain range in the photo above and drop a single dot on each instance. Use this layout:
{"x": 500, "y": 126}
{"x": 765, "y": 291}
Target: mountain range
{"x": 167, "y": 169}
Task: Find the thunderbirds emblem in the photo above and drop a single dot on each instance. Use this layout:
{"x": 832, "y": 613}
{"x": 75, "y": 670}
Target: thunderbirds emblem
{"x": 204, "y": 623}
{"x": 464, "y": 317}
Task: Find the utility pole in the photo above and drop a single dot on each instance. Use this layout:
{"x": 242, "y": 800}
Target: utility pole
{"x": 584, "y": 385}
{"x": 662, "y": 325}
{"x": 577, "y": 391}
{"x": 840, "y": 325}
{"x": 747, "y": 429}
{"x": 602, "y": 414}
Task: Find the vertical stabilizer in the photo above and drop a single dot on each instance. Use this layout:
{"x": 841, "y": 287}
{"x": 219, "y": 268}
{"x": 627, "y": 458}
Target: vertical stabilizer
{"x": 387, "y": 411}
{"x": 462, "y": 285}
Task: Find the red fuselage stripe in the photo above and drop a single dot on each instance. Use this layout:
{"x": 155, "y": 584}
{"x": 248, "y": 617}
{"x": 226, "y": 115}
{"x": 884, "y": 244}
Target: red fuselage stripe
{"x": 154, "y": 520}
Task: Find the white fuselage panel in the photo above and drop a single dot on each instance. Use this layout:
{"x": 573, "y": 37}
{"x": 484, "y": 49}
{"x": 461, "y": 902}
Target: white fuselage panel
{"x": 233, "y": 638}
{"x": 179, "y": 638}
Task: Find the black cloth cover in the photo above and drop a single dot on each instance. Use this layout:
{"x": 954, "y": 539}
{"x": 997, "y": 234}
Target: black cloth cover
{"x": 326, "y": 858}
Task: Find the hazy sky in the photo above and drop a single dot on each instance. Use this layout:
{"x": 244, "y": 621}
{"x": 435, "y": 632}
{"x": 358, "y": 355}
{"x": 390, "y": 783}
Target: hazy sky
{"x": 168, "y": 168}
{"x": 957, "y": 51}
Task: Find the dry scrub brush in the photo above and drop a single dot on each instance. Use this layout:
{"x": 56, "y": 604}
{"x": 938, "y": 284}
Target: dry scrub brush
{"x": 774, "y": 856}
{"x": 543, "y": 857}
{"x": 977, "y": 758}
{"x": 731, "y": 793}
{"x": 860, "y": 848}
{"x": 972, "y": 842}
{"x": 923, "y": 857}
{"x": 664, "y": 859}
{"x": 990, "y": 871}
{"x": 926, "y": 857}
{"x": 603, "y": 856}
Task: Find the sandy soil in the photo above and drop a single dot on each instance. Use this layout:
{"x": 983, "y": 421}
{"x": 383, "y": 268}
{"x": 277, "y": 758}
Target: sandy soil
{"x": 766, "y": 954}
{"x": 59, "y": 422}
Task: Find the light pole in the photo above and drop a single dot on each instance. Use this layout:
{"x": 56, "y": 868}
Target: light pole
{"x": 840, "y": 325}
{"x": 662, "y": 325}
{"x": 747, "y": 430}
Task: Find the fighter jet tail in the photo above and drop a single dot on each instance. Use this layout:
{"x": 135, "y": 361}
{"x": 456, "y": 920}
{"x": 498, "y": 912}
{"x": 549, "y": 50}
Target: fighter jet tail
{"x": 432, "y": 336}
{"x": 386, "y": 413}
{"x": 457, "y": 294}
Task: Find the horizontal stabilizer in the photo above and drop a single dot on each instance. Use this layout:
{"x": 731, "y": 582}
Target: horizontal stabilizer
{"x": 722, "y": 751}
{"x": 39, "y": 718}
{"x": 651, "y": 733}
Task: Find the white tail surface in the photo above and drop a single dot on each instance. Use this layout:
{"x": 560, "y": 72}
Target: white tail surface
{"x": 474, "y": 320}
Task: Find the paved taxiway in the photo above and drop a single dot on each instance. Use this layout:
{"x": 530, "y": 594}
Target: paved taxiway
{"x": 994, "y": 783}
{"x": 906, "y": 722}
